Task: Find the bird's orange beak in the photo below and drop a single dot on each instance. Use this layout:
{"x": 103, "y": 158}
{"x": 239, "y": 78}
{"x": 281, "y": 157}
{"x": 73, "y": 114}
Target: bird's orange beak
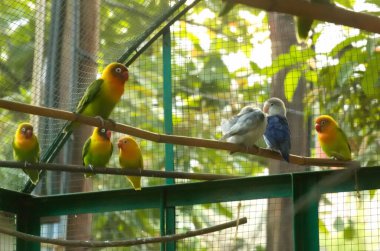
{"x": 318, "y": 127}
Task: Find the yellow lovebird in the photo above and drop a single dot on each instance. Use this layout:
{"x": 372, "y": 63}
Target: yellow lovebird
{"x": 97, "y": 149}
{"x": 102, "y": 95}
{"x": 26, "y": 148}
{"x": 130, "y": 157}
{"x": 332, "y": 138}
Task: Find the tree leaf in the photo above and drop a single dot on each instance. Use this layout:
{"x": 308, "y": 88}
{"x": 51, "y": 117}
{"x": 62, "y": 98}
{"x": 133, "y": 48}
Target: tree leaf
{"x": 291, "y": 83}
{"x": 345, "y": 70}
{"x": 339, "y": 224}
{"x": 370, "y": 82}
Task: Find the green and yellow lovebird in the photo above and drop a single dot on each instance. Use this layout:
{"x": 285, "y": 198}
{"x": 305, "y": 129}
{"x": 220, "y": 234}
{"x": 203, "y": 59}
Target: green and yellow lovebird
{"x": 332, "y": 138}
{"x": 130, "y": 157}
{"x": 26, "y": 148}
{"x": 97, "y": 149}
{"x": 102, "y": 95}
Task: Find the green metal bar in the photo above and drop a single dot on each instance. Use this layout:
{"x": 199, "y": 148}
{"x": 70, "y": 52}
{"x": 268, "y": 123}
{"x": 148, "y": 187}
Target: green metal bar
{"x": 160, "y": 32}
{"x": 14, "y": 202}
{"x": 57, "y": 13}
{"x": 306, "y": 197}
{"x": 248, "y": 188}
{"x": 169, "y": 148}
{"x": 176, "y": 195}
{"x": 150, "y": 30}
{"x": 28, "y": 223}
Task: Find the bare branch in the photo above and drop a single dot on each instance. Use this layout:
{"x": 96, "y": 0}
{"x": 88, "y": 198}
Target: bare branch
{"x": 323, "y": 12}
{"x": 170, "y": 139}
{"x": 127, "y": 243}
{"x": 115, "y": 171}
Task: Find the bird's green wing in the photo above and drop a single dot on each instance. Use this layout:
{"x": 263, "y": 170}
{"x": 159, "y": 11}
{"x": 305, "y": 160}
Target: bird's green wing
{"x": 344, "y": 137}
{"x": 91, "y": 92}
{"x": 85, "y": 149}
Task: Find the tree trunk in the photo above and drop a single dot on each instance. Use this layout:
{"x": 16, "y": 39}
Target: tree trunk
{"x": 280, "y": 211}
{"x": 79, "y": 226}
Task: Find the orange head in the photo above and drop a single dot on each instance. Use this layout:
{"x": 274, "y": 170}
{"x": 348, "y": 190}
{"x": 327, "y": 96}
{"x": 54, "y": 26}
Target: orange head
{"x": 127, "y": 144}
{"x": 325, "y": 123}
{"x": 116, "y": 71}
{"x": 25, "y": 130}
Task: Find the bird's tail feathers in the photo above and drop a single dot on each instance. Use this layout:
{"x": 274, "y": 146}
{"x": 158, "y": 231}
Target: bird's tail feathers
{"x": 135, "y": 181}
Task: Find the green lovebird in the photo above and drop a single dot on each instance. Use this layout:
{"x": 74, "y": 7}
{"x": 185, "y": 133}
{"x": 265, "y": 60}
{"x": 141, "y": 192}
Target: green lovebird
{"x": 332, "y": 138}
{"x": 130, "y": 157}
{"x": 102, "y": 95}
{"x": 97, "y": 150}
{"x": 26, "y": 148}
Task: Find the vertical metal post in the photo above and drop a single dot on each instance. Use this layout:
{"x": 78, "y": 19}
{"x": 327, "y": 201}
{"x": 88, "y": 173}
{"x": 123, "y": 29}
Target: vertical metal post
{"x": 30, "y": 224}
{"x": 169, "y": 212}
{"x": 305, "y": 200}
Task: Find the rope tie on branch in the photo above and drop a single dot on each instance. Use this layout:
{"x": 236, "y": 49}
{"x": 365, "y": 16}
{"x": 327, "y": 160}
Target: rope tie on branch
{"x": 170, "y": 139}
{"x": 127, "y": 243}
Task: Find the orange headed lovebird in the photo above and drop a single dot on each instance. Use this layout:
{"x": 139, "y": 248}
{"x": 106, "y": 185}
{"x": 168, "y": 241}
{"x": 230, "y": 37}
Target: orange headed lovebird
{"x": 26, "y": 148}
{"x": 102, "y": 95}
{"x": 97, "y": 149}
{"x": 332, "y": 139}
{"x": 130, "y": 157}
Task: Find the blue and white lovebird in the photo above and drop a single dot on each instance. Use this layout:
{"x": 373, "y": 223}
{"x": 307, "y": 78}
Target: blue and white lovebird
{"x": 246, "y": 127}
{"x": 277, "y": 134}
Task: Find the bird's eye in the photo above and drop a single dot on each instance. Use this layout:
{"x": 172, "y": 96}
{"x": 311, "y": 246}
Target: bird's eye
{"x": 323, "y": 122}
{"x": 125, "y": 141}
{"x": 118, "y": 70}
{"x": 23, "y": 129}
{"x": 271, "y": 104}
{"x": 103, "y": 130}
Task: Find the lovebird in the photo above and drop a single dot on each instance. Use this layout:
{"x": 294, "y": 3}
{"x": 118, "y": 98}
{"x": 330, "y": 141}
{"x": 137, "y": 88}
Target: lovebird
{"x": 130, "y": 157}
{"x": 332, "y": 138}
{"x": 102, "y": 95}
{"x": 277, "y": 133}
{"x": 26, "y": 148}
{"x": 97, "y": 150}
{"x": 245, "y": 128}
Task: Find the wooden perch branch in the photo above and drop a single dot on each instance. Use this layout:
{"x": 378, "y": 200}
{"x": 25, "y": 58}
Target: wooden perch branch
{"x": 127, "y": 243}
{"x": 115, "y": 171}
{"x": 323, "y": 12}
{"x": 171, "y": 139}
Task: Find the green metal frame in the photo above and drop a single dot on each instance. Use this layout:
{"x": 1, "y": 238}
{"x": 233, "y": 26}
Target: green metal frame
{"x": 298, "y": 186}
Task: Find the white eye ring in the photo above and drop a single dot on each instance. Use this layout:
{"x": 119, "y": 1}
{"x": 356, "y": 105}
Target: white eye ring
{"x": 103, "y": 130}
{"x": 118, "y": 70}
{"x": 23, "y": 129}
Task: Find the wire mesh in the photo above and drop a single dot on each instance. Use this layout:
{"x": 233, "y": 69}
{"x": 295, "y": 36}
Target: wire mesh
{"x": 7, "y": 220}
{"x": 50, "y": 52}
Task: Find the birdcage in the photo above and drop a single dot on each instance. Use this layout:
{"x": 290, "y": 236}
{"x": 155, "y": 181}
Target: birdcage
{"x": 192, "y": 64}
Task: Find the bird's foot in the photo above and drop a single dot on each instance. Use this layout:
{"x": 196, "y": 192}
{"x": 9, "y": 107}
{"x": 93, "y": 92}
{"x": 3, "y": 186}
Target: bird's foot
{"x": 101, "y": 120}
{"x": 26, "y": 164}
{"x": 91, "y": 167}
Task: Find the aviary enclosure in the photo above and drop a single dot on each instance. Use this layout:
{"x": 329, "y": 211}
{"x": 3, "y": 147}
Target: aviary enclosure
{"x": 190, "y": 68}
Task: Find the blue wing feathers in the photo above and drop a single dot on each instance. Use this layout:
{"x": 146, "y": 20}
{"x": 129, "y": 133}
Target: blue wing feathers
{"x": 277, "y": 135}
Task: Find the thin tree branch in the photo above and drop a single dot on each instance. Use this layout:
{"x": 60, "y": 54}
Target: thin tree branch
{"x": 323, "y": 12}
{"x": 115, "y": 171}
{"x": 170, "y": 139}
{"x": 127, "y": 243}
